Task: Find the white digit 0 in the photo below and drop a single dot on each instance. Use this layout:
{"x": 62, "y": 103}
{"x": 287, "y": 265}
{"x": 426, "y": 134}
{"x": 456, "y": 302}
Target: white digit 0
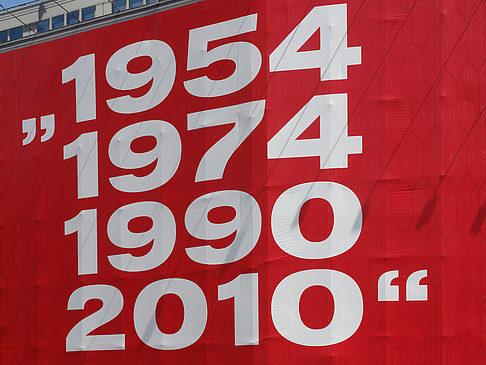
{"x": 195, "y": 314}
{"x": 348, "y": 307}
{"x": 347, "y": 220}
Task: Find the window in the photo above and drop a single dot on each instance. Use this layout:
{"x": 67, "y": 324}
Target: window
{"x": 135, "y": 3}
{"x": 3, "y": 36}
{"x": 88, "y": 13}
{"x": 15, "y": 33}
{"x": 58, "y": 21}
{"x": 43, "y": 26}
{"x": 118, "y": 5}
{"x": 151, "y": 1}
{"x": 72, "y": 17}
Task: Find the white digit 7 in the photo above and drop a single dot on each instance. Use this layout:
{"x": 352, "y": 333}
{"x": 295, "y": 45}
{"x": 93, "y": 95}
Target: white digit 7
{"x": 333, "y": 145}
{"x": 333, "y": 57}
{"x": 246, "y": 117}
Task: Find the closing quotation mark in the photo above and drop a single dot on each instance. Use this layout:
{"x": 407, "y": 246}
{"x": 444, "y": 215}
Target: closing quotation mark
{"x": 47, "y": 123}
{"x": 414, "y": 290}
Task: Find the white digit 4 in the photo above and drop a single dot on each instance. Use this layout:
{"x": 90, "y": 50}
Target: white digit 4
{"x": 161, "y": 73}
{"x": 83, "y": 73}
{"x": 333, "y": 57}
{"x": 246, "y": 118}
{"x": 244, "y": 289}
{"x": 246, "y": 57}
{"x": 247, "y": 223}
{"x": 333, "y": 146}
{"x": 162, "y": 234}
{"x": 167, "y": 153}
{"x": 85, "y": 224}
{"x": 78, "y": 339}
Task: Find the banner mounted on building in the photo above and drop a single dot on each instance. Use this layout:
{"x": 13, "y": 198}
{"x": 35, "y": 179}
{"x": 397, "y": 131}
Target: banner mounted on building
{"x": 261, "y": 182}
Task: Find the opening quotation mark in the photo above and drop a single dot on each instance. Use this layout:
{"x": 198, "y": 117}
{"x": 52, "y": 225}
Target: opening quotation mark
{"x": 414, "y": 290}
{"x": 29, "y": 126}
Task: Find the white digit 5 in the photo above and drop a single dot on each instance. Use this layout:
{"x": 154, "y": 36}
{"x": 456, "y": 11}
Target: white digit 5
{"x": 246, "y": 117}
{"x": 333, "y": 145}
{"x": 195, "y": 314}
{"x": 333, "y": 57}
{"x": 247, "y": 223}
{"x": 162, "y": 234}
{"x": 161, "y": 73}
{"x": 78, "y": 339}
{"x": 167, "y": 153}
{"x": 347, "y": 220}
{"x": 348, "y": 307}
{"x": 246, "y": 57}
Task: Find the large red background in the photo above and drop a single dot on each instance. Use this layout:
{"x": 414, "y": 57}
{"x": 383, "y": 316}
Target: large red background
{"x": 417, "y": 100}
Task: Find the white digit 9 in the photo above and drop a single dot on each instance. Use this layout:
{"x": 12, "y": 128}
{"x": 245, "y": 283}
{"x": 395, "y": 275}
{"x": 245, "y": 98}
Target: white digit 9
{"x": 162, "y": 234}
{"x": 247, "y": 223}
{"x": 161, "y": 73}
{"x": 167, "y": 153}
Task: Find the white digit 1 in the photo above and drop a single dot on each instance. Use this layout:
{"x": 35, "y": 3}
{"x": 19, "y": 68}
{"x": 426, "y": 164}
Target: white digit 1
{"x": 245, "y": 291}
{"x": 333, "y": 57}
{"x": 84, "y": 75}
{"x": 85, "y": 148}
{"x": 167, "y": 152}
{"x": 348, "y": 307}
{"x": 162, "y": 234}
{"x": 347, "y": 220}
{"x": 85, "y": 224}
{"x": 333, "y": 145}
{"x": 78, "y": 339}
{"x": 247, "y": 223}
{"x": 195, "y": 314}
{"x": 160, "y": 75}
{"x": 246, "y": 118}
{"x": 246, "y": 57}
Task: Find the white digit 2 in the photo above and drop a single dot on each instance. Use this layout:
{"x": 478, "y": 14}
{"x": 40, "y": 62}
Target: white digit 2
{"x": 78, "y": 339}
{"x": 333, "y": 145}
{"x": 333, "y": 57}
{"x": 347, "y": 220}
{"x": 246, "y": 118}
{"x": 195, "y": 314}
{"x": 246, "y": 57}
{"x": 167, "y": 152}
{"x": 348, "y": 307}
{"x": 162, "y": 234}
{"x": 247, "y": 223}
{"x": 161, "y": 73}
